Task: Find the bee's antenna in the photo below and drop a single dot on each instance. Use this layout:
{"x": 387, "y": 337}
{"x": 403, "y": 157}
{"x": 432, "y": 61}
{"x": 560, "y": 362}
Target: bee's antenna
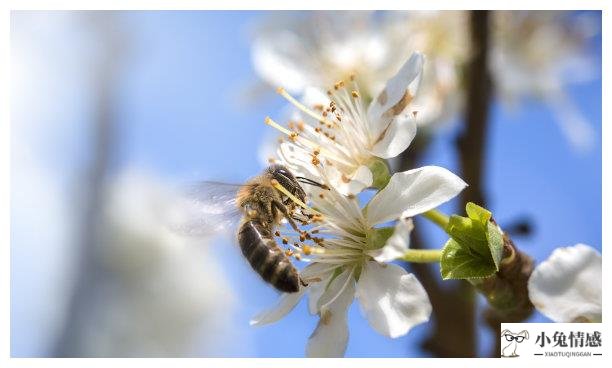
{"x": 304, "y": 180}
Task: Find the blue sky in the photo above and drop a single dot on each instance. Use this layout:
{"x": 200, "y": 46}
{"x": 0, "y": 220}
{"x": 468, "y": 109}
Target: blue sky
{"x": 181, "y": 112}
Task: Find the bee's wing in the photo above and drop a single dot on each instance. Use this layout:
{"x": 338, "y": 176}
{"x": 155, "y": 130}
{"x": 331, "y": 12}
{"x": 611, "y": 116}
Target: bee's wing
{"x": 206, "y": 208}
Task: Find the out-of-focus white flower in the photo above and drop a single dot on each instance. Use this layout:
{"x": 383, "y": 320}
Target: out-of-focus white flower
{"x": 442, "y": 36}
{"x": 567, "y": 286}
{"x": 321, "y": 48}
{"x": 347, "y": 136}
{"x": 154, "y": 291}
{"x": 537, "y": 54}
{"x": 317, "y": 49}
{"x": 346, "y": 258}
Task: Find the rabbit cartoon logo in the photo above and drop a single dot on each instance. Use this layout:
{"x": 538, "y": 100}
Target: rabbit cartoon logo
{"x": 510, "y": 341}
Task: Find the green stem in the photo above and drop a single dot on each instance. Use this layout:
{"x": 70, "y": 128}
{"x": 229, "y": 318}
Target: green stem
{"x": 422, "y": 255}
{"x": 437, "y": 218}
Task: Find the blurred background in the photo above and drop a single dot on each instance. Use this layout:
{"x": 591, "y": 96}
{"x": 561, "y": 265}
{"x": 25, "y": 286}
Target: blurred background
{"x": 111, "y": 110}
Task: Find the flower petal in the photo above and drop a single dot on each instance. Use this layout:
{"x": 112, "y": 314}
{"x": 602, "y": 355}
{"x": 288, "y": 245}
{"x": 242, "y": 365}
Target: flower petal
{"x": 274, "y": 59}
{"x": 413, "y": 192}
{"x": 567, "y": 286}
{"x": 396, "y": 95}
{"x": 330, "y": 338}
{"x": 397, "y": 244}
{"x": 392, "y": 300}
{"x": 396, "y": 138}
{"x": 287, "y": 302}
{"x": 352, "y": 183}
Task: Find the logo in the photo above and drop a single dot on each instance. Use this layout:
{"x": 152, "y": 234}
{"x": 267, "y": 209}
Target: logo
{"x": 510, "y": 342}
{"x": 551, "y": 340}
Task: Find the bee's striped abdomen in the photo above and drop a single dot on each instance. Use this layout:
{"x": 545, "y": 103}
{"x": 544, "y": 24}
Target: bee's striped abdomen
{"x": 266, "y": 257}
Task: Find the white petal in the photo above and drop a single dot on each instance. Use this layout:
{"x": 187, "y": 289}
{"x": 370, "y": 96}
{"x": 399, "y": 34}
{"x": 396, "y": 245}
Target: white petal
{"x": 316, "y": 289}
{"x": 396, "y": 138}
{"x": 392, "y": 300}
{"x": 567, "y": 286}
{"x": 406, "y": 81}
{"x": 314, "y": 96}
{"x": 397, "y": 244}
{"x": 413, "y": 192}
{"x": 351, "y": 183}
{"x": 330, "y": 338}
{"x": 287, "y": 302}
{"x": 274, "y": 59}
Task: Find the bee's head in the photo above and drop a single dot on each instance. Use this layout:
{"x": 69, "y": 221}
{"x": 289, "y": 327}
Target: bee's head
{"x": 287, "y": 180}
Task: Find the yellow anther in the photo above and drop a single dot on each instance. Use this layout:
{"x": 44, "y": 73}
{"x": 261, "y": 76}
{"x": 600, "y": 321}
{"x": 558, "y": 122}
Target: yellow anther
{"x": 296, "y": 137}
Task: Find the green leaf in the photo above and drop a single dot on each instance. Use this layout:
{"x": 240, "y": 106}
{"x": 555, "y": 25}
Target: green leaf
{"x": 460, "y": 262}
{"x": 476, "y": 246}
{"x": 496, "y": 243}
{"x": 475, "y": 212}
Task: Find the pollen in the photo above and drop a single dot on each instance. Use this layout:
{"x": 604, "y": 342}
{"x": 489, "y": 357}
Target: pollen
{"x": 338, "y": 85}
{"x": 321, "y": 195}
{"x": 307, "y": 250}
{"x": 315, "y": 160}
{"x": 355, "y": 94}
{"x": 285, "y": 240}
{"x": 288, "y": 252}
{"x": 293, "y": 136}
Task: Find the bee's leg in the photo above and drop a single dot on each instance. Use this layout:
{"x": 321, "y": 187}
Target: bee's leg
{"x": 279, "y": 206}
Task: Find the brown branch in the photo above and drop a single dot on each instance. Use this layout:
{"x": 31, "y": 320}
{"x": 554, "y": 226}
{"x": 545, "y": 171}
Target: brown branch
{"x": 506, "y": 291}
{"x": 471, "y": 143}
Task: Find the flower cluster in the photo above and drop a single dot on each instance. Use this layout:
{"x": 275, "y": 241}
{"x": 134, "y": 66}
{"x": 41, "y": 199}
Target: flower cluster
{"x": 340, "y": 143}
{"x": 533, "y": 54}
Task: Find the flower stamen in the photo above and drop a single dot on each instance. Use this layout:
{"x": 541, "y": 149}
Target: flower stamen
{"x": 281, "y": 91}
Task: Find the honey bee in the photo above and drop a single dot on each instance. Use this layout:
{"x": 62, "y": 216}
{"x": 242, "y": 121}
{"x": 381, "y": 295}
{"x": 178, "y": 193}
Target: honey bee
{"x": 258, "y": 206}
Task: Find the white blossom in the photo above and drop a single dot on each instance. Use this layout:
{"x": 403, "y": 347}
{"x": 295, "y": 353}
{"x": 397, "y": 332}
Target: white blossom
{"x": 316, "y": 50}
{"x": 537, "y": 54}
{"x": 154, "y": 290}
{"x": 345, "y": 258}
{"x": 567, "y": 286}
{"x": 348, "y": 135}
{"x": 319, "y": 48}
{"x": 442, "y": 36}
